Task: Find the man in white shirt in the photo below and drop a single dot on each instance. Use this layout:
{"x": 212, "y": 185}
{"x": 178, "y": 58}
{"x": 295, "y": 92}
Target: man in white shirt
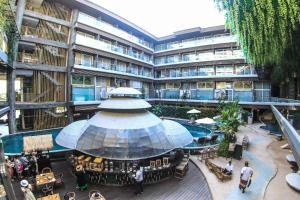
{"x": 228, "y": 168}
{"x": 139, "y": 178}
{"x": 246, "y": 175}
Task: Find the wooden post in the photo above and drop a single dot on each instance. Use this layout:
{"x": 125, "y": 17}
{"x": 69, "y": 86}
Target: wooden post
{"x": 70, "y": 64}
{"x": 11, "y": 76}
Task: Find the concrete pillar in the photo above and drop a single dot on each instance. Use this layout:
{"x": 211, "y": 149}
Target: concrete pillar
{"x": 70, "y": 64}
{"x": 11, "y": 76}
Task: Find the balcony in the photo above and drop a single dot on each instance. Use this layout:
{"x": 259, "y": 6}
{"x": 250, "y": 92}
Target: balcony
{"x": 116, "y": 69}
{"x": 97, "y": 44}
{"x": 218, "y": 39}
{"x": 93, "y": 22}
{"x": 204, "y": 57}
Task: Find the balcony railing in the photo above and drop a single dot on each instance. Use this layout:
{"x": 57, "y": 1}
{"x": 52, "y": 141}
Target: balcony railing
{"x": 218, "y": 39}
{"x": 111, "y": 68}
{"x": 198, "y": 74}
{"x": 237, "y": 54}
{"x": 97, "y": 44}
{"x": 93, "y": 22}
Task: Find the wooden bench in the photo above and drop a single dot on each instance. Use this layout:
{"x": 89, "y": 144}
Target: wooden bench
{"x": 217, "y": 170}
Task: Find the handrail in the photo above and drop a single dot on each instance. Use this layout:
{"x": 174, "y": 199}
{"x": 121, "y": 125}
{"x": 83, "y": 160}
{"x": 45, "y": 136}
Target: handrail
{"x": 290, "y": 133}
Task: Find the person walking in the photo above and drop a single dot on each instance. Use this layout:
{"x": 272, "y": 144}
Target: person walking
{"x": 245, "y": 179}
{"x": 139, "y": 178}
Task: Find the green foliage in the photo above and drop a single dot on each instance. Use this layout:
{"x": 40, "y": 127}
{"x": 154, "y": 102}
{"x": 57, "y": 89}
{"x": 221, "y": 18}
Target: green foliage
{"x": 229, "y": 120}
{"x": 7, "y": 26}
{"x": 156, "y": 110}
{"x": 181, "y": 112}
{"x": 268, "y": 31}
{"x": 223, "y": 148}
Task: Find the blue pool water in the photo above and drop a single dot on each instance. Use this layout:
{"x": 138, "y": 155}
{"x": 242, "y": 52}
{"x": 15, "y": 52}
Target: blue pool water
{"x": 13, "y": 144}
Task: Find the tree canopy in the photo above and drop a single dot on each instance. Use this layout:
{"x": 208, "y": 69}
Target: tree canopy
{"x": 268, "y": 31}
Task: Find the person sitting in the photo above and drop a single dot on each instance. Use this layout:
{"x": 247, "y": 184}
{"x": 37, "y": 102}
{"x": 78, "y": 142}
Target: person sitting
{"x": 228, "y": 168}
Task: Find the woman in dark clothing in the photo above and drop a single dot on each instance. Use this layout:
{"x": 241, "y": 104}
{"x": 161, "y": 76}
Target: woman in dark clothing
{"x": 81, "y": 180}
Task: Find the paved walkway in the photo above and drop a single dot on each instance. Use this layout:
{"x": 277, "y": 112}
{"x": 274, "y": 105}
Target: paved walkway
{"x": 260, "y": 160}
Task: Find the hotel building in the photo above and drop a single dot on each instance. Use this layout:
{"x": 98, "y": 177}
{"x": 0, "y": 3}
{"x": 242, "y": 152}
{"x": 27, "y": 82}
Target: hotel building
{"x": 71, "y": 53}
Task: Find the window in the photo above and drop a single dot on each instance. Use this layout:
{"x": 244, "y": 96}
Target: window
{"x": 83, "y": 81}
{"x": 102, "y": 82}
{"x": 224, "y": 70}
{"x": 86, "y": 35}
{"x": 84, "y": 59}
{"x": 207, "y": 71}
{"x": 206, "y": 85}
{"x": 223, "y": 85}
{"x": 136, "y": 84}
{"x": 243, "y": 69}
{"x": 242, "y": 85}
{"x": 172, "y": 85}
{"x": 104, "y": 63}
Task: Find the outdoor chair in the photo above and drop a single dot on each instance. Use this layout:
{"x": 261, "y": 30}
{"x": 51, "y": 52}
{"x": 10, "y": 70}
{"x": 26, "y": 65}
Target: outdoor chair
{"x": 47, "y": 190}
{"x": 70, "y": 196}
{"x": 201, "y": 140}
{"x": 214, "y": 138}
{"x": 93, "y": 195}
{"x": 46, "y": 170}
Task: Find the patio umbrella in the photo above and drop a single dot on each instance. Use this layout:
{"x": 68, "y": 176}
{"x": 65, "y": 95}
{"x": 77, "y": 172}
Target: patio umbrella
{"x": 205, "y": 120}
{"x": 193, "y": 111}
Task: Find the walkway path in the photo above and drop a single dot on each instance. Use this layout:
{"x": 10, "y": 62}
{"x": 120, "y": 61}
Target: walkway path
{"x": 259, "y": 159}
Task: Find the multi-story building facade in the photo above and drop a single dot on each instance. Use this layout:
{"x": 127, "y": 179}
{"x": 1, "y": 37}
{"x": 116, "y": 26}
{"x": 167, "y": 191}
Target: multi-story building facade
{"x": 72, "y": 52}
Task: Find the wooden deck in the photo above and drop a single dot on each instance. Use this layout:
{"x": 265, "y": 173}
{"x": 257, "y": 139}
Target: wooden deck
{"x": 192, "y": 187}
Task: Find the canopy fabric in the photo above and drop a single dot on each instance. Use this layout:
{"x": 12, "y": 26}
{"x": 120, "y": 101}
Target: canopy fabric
{"x": 205, "y": 120}
{"x": 37, "y": 143}
{"x": 194, "y": 111}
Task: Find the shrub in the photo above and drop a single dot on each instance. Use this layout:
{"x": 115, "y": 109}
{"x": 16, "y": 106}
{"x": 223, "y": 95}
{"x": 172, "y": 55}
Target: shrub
{"x": 181, "y": 111}
{"x": 223, "y": 148}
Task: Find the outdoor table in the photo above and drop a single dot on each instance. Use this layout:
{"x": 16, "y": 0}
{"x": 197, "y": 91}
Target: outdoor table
{"x": 50, "y": 197}
{"x": 43, "y": 179}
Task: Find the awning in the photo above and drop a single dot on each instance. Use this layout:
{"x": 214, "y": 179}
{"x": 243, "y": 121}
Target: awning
{"x": 193, "y": 111}
{"x": 205, "y": 120}
{"x": 37, "y": 143}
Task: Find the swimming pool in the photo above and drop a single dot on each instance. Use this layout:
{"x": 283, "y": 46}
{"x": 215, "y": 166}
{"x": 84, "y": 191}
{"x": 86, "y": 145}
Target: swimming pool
{"x": 197, "y": 132}
{"x": 13, "y": 144}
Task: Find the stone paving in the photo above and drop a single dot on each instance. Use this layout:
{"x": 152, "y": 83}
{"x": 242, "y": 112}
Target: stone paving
{"x": 260, "y": 154}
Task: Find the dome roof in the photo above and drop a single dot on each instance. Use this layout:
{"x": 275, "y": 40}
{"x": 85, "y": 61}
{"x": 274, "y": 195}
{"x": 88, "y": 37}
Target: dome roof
{"x": 124, "y": 130}
{"x": 125, "y": 91}
{"x": 124, "y": 104}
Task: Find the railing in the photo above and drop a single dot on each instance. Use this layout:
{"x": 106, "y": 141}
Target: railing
{"x": 97, "y": 44}
{"x": 291, "y": 134}
{"x": 217, "y": 39}
{"x": 117, "y": 69}
{"x": 93, "y": 22}
{"x": 237, "y": 54}
{"x": 201, "y": 74}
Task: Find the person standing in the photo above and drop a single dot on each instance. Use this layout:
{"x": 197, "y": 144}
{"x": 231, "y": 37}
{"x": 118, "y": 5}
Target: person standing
{"x": 26, "y": 189}
{"x": 18, "y": 167}
{"x": 81, "y": 179}
{"x": 139, "y": 178}
{"x": 245, "y": 179}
